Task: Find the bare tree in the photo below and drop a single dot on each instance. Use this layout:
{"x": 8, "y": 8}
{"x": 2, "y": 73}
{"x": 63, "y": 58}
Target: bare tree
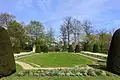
{"x": 87, "y": 26}
{"x": 68, "y": 27}
{"x": 71, "y": 27}
{"x": 63, "y": 36}
{"x": 77, "y": 27}
{"x": 50, "y": 36}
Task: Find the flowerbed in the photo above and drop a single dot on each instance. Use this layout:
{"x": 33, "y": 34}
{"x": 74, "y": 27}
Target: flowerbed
{"x": 76, "y": 71}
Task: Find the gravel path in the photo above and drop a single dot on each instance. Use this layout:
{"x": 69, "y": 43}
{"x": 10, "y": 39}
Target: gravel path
{"x": 23, "y": 56}
{"x": 22, "y": 53}
{"x": 98, "y": 54}
{"x": 24, "y": 65}
{"x": 90, "y": 57}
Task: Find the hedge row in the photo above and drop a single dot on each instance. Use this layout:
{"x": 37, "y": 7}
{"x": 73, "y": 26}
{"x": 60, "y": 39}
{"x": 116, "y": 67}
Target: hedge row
{"x": 77, "y": 48}
{"x": 95, "y": 47}
{"x": 41, "y": 48}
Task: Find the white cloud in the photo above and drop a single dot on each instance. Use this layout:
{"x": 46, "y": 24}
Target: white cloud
{"x": 84, "y": 9}
{"x": 94, "y": 10}
{"x": 45, "y": 5}
{"x": 81, "y": 9}
{"x": 22, "y": 4}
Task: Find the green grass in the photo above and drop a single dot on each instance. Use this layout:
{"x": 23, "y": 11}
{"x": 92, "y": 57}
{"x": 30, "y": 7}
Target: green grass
{"x": 64, "y": 78}
{"x": 57, "y": 60}
{"x": 18, "y": 68}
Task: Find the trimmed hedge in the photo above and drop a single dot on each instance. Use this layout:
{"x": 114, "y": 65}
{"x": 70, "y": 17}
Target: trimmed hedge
{"x": 27, "y": 47}
{"x": 38, "y": 49}
{"x": 87, "y": 47}
{"x": 113, "y": 60}
{"x": 57, "y": 49}
{"x": 44, "y": 48}
{"x": 95, "y": 48}
{"x": 77, "y": 48}
{"x": 70, "y": 49}
{"x": 7, "y": 61}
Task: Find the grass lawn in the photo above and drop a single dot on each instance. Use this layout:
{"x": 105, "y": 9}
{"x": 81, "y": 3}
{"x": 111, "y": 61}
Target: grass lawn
{"x": 64, "y": 78}
{"x": 18, "y": 68}
{"x": 57, "y": 60}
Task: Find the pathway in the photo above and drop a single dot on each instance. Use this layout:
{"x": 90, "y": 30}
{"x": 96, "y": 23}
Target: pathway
{"x": 23, "y": 56}
{"x": 24, "y": 65}
{"x": 91, "y": 57}
{"x": 98, "y": 54}
{"x": 22, "y": 53}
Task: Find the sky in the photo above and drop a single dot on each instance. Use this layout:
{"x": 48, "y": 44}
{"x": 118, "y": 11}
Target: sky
{"x": 51, "y": 13}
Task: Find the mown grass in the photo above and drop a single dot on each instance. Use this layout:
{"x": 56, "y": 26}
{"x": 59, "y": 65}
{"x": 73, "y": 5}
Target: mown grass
{"x": 57, "y": 60}
{"x": 18, "y": 68}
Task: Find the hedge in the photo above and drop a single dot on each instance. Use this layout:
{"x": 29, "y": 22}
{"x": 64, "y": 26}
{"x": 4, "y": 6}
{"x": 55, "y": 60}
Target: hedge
{"x": 70, "y": 49}
{"x": 38, "y": 49}
{"x": 77, "y": 48}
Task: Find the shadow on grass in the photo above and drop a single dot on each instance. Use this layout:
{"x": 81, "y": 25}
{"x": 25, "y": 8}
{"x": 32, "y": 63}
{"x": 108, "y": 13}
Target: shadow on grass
{"x": 102, "y": 66}
{"x": 99, "y": 65}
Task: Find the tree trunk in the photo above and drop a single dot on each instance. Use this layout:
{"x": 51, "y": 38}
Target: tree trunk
{"x": 75, "y": 38}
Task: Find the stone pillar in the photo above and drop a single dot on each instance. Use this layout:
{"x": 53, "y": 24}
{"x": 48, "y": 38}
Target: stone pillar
{"x": 34, "y": 47}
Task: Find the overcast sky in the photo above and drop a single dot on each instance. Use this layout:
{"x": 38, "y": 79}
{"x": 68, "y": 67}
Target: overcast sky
{"x": 102, "y": 13}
